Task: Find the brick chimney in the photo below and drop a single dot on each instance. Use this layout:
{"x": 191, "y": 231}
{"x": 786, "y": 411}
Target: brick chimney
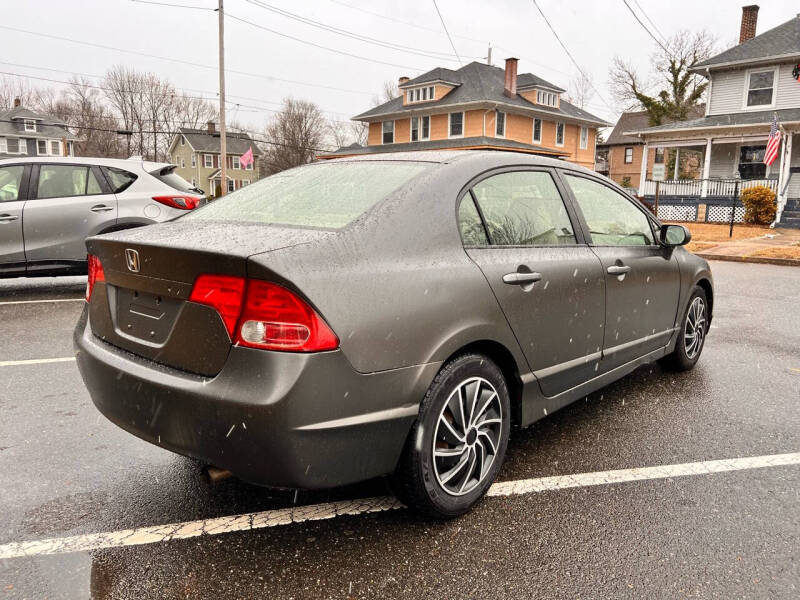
{"x": 211, "y": 127}
{"x": 402, "y": 80}
{"x": 510, "y": 83}
{"x": 749, "y": 20}
{"x": 17, "y": 102}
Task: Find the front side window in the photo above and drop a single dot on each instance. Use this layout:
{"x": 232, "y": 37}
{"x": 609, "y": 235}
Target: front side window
{"x": 456, "y": 124}
{"x": 524, "y": 208}
{"x": 612, "y": 218}
{"x": 63, "y": 181}
{"x": 500, "y": 124}
{"x": 760, "y": 88}
{"x": 119, "y": 179}
{"x": 751, "y": 162}
{"x": 10, "y": 182}
{"x": 319, "y": 195}
{"x": 470, "y": 224}
{"x": 388, "y": 132}
{"x": 559, "y": 134}
{"x": 537, "y": 131}
{"x": 628, "y": 156}
{"x": 584, "y": 138}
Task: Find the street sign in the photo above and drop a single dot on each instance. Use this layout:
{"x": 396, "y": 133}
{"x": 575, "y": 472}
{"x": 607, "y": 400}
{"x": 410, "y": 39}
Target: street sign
{"x": 659, "y": 172}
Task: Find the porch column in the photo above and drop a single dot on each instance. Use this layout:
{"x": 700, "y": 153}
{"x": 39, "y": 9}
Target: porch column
{"x": 677, "y": 162}
{"x": 706, "y": 169}
{"x": 643, "y": 175}
{"x": 785, "y": 166}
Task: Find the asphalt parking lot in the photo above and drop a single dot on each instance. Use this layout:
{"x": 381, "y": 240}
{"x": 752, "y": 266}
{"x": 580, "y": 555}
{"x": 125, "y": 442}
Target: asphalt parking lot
{"x": 119, "y": 518}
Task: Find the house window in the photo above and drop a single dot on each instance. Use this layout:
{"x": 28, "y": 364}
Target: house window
{"x": 546, "y": 98}
{"x": 30, "y": 125}
{"x": 559, "y": 134}
{"x": 23, "y": 146}
{"x": 410, "y": 96}
{"x": 3, "y": 146}
{"x": 183, "y": 163}
{"x": 537, "y": 131}
{"x": 194, "y": 183}
{"x": 55, "y": 148}
{"x": 420, "y": 128}
{"x": 456, "y": 124}
{"x": 628, "y": 156}
{"x": 236, "y": 163}
{"x": 12, "y": 145}
{"x": 208, "y": 161}
{"x": 70, "y": 149}
{"x": 584, "y": 138}
{"x": 388, "y": 132}
{"x": 424, "y": 93}
{"x": 230, "y": 185}
{"x": 194, "y": 160}
{"x": 41, "y": 147}
{"x": 416, "y": 94}
{"x": 183, "y": 141}
{"x": 250, "y": 165}
{"x": 751, "y": 162}
{"x": 245, "y": 182}
{"x": 500, "y": 124}
{"x": 421, "y": 94}
{"x": 659, "y": 156}
{"x": 760, "y": 88}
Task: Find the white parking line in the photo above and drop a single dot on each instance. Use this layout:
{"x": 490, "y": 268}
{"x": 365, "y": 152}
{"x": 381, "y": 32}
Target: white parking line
{"x": 318, "y": 512}
{"x": 43, "y": 301}
{"x": 35, "y": 361}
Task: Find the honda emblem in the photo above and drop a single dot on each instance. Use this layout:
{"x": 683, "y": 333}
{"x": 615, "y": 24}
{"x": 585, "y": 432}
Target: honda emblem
{"x": 132, "y": 258}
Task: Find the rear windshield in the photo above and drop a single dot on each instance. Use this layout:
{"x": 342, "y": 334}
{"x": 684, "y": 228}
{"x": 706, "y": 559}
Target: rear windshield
{"x": 322, "y": 195}
{"x": 175, "y": 181}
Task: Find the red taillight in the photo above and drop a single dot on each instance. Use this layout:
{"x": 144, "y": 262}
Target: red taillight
{"x": 95, "y": 274}
{"x": 224, "y": 293}
{"x": 182, "y": 202}
{"x": 260, "y": 314}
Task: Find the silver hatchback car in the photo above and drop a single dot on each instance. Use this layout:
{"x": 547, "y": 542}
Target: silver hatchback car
{"x": 49, "y": 206}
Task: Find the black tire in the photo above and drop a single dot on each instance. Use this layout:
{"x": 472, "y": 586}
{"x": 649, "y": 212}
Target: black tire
{"x": 687, "y": 350}
{"x": 419, "y": 475}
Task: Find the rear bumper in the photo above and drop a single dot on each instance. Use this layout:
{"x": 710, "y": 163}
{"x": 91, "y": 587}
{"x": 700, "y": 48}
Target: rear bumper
{"x": 272, "y": 418}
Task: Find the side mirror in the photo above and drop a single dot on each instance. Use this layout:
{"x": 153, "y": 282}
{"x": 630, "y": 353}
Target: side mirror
{"x": 675, "y": 235}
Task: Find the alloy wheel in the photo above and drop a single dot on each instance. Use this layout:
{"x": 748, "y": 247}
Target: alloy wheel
{"x": 467, "y": 436}
{"x": 694, "y": 330}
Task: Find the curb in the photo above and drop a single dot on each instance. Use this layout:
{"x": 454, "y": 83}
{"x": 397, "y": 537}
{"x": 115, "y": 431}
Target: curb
{"x": 785, "y": 262}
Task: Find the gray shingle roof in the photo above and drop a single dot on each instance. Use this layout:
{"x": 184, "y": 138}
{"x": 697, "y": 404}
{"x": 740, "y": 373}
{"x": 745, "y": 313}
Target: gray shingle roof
{"x": 437, "y": 74}
{"x": 764, "y": 117}
{"x": 12, "y": 123}
{"x": 203, "y": 141}
{"x": 480, "y": 83}
{"x": 637, "y": 121}
{"x": 783, "y": 40}
{"x": 468, "y": 142}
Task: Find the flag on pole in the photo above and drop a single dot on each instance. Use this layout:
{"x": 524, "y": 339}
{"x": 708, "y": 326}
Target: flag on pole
{"x": 773, "y": 143}
{"x": 246, "y": 158}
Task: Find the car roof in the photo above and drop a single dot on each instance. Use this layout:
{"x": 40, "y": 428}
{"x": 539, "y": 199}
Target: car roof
{"x": 121, "y": 163}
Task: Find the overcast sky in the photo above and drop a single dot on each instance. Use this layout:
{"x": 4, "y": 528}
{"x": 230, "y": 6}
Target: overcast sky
{"x": 594, "y": 32}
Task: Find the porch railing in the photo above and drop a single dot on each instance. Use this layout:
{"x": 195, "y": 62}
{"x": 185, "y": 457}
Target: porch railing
{"x": 694, "y": 187}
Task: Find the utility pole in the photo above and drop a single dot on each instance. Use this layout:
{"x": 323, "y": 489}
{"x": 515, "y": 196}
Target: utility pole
{"x": 223, "y": 161}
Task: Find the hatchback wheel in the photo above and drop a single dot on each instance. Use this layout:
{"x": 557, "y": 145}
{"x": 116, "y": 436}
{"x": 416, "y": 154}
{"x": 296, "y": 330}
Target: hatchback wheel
{"x": 458, "y": 443}
{"x": 692, "y": 333}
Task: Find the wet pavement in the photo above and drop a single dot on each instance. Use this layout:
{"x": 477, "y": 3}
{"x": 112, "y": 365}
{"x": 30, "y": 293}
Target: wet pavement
{"x": 66, "y": 471}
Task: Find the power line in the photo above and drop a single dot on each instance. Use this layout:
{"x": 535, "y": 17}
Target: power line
{"x": 352, "y": 35}
{"x": 569, "y": 54}
{"x": 650, "y": 33}
{"x": 315, "y": 45}
{"x": 649, "y": 20}
{"x": 172, "y": 5}
{"x": 441, "y": 18}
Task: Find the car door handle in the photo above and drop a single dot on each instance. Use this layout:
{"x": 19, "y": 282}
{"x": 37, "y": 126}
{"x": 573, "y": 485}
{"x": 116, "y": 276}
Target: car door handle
{"x": 618, "y": 270}
{"x": 8, "y": 218}
{"x": 521, "y": 278}
{"x": 101, "y": 208}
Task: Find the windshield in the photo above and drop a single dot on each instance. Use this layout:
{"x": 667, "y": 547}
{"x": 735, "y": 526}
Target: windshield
{"x": 322, "y": 195}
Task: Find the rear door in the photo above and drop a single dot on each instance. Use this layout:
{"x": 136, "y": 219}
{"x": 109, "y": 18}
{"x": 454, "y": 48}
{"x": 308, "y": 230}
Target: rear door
{"x": 69, "y": 202}
{"x": 13, "y": 189}
{"x": 548, "y": 282}
{"x": 642, "y": 277}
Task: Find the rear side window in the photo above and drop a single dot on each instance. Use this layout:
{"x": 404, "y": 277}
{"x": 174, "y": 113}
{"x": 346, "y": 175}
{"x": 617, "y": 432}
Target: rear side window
{"x": 470, "y": 224}
{"x": 321, "y": 195}
{"x": 63, "y": 181}
{"x": 524, "y": 208}
{"x": 10, "y": 182}
{"x": 612, "y": 218}
{"x": 119, "y": 179}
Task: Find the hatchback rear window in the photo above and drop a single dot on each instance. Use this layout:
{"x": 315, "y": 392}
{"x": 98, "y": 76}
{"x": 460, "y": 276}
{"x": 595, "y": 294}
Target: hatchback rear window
{"x": 175, "y": 181}
{"x": 323, "y": 195}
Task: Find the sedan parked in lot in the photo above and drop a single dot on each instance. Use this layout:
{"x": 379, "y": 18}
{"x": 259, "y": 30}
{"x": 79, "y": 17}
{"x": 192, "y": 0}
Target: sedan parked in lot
{"x": 49, "y": 206}
{"x": 393, "y": 314}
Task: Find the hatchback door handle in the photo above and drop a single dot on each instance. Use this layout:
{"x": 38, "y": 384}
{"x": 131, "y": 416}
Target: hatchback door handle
{"x": 8, "y": 218}
{"x": 101, "y": 208}
{"x": 618, "y": 270}
{"x": 521, "y": 278}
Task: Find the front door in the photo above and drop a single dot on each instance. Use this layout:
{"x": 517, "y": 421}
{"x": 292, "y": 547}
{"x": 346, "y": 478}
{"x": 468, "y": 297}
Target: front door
{"x": 13, "y": 182}
{"x": 642, "y": 277}
{"x": 549, "y": 284}
{"x": 69, "y": 203}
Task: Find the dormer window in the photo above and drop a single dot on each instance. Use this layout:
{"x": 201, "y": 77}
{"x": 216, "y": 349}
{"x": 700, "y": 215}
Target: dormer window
{"x": 30, "y": 125}
{"x": 760, "y": 88}
{"x": 546, "y": 98}
{"x": 423, "y": 94}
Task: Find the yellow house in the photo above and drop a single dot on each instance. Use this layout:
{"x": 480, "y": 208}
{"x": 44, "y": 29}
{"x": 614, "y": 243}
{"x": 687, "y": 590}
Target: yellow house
{"x": 480, "y": 107}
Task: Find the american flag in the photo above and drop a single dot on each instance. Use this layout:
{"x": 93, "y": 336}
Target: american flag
{"x": 773, "y": 143}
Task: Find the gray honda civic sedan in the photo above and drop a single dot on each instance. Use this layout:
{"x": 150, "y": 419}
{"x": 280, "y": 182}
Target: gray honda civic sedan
{"x": 394, "y": 314}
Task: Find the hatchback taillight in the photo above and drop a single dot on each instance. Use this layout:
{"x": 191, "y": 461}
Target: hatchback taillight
{"x": 179, "y": 201}
{"x": 260, "y": 314}
{"x": 95, "y": 274}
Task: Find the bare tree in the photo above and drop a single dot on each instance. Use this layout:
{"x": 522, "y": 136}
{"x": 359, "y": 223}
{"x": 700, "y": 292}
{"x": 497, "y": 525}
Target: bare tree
{"x": 295, "y": 134}
{"x": 15, "y": 87}
{"x": 580, "y": 90}
{"x": 671, "y": 90}
{"x": 389, "y": 91}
